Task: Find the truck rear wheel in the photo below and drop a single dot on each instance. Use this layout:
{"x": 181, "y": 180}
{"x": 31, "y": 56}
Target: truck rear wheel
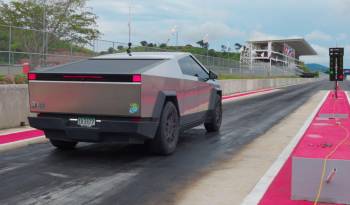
{"x": 63, "y": 145}
{"x": 167, "y": 135}
{"x": 60, "y": 144}
{"x": 214, "y": 123}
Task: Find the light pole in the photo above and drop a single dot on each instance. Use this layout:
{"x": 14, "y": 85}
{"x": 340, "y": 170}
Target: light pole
{"x": 206, "y": 44}
{"x": 44, "y": 33}
{"x": 174, "y": 31}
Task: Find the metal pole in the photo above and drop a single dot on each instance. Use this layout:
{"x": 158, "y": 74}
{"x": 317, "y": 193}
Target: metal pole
{"x": 336, "y": 88}
{"x": 10, "y": 41}
{"x": 177, "y": 38}
{"x": 71, "y": 49}
{"x": 44, "y": 33}
{"x": 207, "y": 55}
{"x": 336, "y": 78}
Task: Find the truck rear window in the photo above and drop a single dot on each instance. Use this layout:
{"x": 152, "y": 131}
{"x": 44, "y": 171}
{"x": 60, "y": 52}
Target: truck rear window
{"x": 106, "y": 66}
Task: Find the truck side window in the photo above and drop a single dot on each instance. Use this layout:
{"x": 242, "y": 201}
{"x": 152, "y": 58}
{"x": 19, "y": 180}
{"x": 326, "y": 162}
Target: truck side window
{"x": 186, "y": 66}
{"x": 199, "y": 70}
{"x": 190, "y": 67}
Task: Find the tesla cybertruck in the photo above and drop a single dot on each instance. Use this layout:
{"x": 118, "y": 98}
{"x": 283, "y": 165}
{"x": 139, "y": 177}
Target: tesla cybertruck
{"x": 139, "y": 98}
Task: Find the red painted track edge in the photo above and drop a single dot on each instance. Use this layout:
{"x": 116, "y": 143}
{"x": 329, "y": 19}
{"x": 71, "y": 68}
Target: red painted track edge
{"x": 239, "y": 94}
{"x": 18, "y": 136}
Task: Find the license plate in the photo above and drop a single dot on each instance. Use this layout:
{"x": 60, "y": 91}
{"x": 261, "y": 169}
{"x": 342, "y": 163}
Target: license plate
{"x": 86, "y": 121}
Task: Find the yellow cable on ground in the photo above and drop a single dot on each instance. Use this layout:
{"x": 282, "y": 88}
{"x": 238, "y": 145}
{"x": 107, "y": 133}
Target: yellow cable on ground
{"x": 325, "y": 163}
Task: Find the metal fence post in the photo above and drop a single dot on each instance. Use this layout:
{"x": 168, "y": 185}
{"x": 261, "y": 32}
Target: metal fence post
{"x": 10, "y": 41}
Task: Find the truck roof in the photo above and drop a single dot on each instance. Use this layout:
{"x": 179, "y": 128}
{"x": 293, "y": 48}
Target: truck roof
{"x": 144, "y": 55}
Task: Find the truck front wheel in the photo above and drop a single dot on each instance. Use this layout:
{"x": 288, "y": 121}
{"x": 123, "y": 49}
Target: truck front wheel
{"x": 214, "y": 122}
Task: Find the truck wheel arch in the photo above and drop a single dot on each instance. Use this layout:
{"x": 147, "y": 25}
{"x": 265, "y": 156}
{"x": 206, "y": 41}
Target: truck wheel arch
{"x": 213, "y": 96}
{"x": 162, "y": 98}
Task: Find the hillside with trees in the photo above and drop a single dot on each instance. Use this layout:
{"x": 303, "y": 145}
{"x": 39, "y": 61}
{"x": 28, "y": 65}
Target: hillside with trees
{"x": 201, "y": 49}
{"x": 70, "y": 27}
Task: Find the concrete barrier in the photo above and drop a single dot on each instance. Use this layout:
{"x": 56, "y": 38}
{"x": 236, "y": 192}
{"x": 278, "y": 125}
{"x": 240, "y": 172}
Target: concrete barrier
{"x": 244, "y": 85}
{"x": 14, "y": 106}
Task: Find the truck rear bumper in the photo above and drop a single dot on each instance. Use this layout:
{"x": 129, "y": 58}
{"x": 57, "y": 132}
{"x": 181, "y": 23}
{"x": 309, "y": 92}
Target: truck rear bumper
{"x": 107, "y": 130}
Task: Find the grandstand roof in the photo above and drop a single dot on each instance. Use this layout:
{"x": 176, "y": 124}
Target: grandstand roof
{"x": 301, "y": 46}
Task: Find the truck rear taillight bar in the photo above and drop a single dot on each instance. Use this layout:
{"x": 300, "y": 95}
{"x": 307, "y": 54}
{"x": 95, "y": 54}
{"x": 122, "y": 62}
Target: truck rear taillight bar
{"x": 31, "y": 76}
{"x": 82, "y": 77}
{"x": 136, "y": 78}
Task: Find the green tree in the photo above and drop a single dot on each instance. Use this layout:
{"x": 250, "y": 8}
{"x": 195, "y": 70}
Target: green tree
{"x": 64, "y": 20}
{"x": 203, "y": 44}
{"x": 143, "y": 43}
{"x": 238, "y": 46}
{"x": 200, "y": 43}
{"x": 111, "y": 50}
{"x": 163, "y": 45}
{"x": 223, "y": 48}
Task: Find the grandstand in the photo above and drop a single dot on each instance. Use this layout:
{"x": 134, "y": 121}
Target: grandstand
{"x": 277, "y": 53}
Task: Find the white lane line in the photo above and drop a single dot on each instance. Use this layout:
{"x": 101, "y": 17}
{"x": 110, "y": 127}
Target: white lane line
{"x": 261, "y": 187}
{"x": 91, "y": 191}
{"x": 11, "y": 168}
{"x": 56, "y": 174}
{"x": 347, "y": 96}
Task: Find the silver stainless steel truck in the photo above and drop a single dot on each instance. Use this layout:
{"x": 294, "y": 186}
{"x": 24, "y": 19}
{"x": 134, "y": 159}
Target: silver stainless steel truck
{"x": 139, "y": 98}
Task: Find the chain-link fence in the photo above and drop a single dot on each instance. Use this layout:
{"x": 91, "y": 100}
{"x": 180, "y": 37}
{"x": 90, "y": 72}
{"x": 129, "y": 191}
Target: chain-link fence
{"x": 41, "y": 49}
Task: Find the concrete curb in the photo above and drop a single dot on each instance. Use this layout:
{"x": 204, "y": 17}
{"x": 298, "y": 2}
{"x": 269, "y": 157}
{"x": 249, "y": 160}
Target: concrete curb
{"x": 22, "y": 143}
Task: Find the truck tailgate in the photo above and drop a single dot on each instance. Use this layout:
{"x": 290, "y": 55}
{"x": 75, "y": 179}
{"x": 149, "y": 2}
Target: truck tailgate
{"x": 85, "y": 98}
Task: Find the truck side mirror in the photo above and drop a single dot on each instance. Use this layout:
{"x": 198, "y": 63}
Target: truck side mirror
{"x": 212, "y": 75}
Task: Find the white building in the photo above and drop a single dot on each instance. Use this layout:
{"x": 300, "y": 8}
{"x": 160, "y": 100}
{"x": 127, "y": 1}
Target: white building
{"x": 279, "y": 52}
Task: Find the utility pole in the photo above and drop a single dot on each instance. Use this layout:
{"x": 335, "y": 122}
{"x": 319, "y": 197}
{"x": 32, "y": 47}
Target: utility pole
{"x": 206, "y": 44}
{"x": 177, "y": 38}
{"x": 129, "y": 25}
{"x": 44, "y": 33}
{"x": 10, "y": 42}
{"x": 175, "y": 31}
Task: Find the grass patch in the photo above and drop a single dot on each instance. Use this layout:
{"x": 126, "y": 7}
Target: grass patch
{"x": 20, "y": 79}
{"x": 5, "y": 80}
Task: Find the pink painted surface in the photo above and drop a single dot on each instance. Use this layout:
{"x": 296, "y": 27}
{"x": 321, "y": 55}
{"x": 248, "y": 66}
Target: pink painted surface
{"x": 324, "y": 134}
{"x": 318, "y": 141}
{"x": 20, "y": 136}
{"x": 236, "y": 95}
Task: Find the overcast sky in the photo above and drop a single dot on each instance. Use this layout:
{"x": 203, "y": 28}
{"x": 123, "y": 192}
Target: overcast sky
{"x": 324, "y": 23}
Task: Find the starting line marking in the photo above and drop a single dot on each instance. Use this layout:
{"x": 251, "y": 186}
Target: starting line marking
{"x": 261, "y": 187}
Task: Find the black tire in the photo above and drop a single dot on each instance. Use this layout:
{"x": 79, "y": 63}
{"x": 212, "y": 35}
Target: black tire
{"x": 168, "y": 131}
{"x": 214, "y": 122}
{"x": 63, "y": 145}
